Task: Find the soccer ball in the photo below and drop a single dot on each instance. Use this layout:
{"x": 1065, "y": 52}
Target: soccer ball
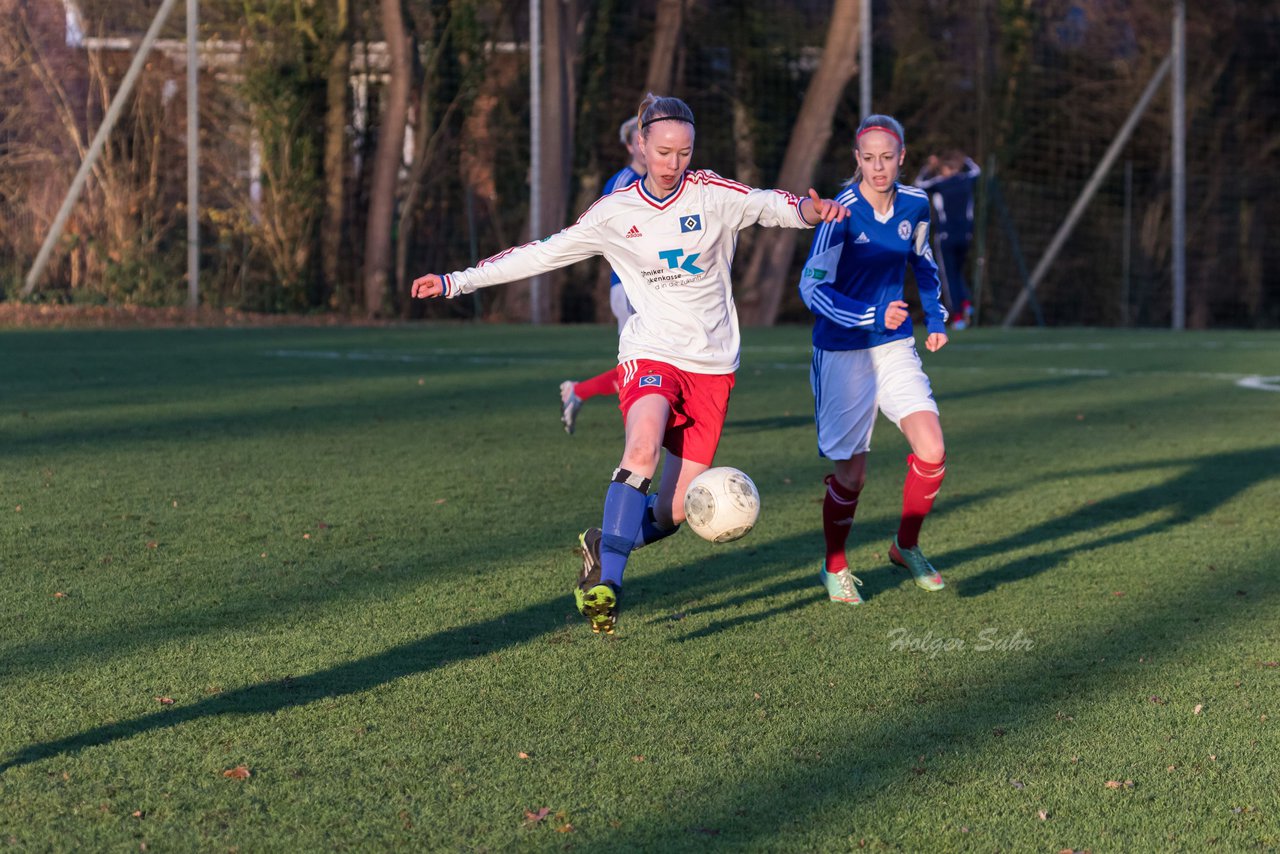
{"x": 722, "y": 504}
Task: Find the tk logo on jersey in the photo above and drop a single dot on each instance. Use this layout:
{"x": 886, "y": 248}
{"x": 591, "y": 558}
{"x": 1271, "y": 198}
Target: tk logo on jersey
{"x": 672, "y": 257}
{"x": 691, "y": 222}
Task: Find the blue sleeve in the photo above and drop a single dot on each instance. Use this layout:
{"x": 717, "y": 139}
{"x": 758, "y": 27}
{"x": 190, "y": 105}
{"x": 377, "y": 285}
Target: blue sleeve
{"x": 926, "y": 269}
{"x": 622, "y": 178}
{"x": 818, "y": 279}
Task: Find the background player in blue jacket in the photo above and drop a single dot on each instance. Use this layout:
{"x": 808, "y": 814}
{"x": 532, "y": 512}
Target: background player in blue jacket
{"x": 949, "y": 179}
{"x": 573, "y": 394}
{"x": 864, "y": 352}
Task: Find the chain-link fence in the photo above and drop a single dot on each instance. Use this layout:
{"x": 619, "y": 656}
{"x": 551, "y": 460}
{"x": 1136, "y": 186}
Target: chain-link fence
{"x": 1034, "y": 92}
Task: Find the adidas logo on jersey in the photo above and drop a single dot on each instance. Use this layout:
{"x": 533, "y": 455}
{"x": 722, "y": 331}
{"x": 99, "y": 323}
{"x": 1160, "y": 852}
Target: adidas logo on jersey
{"x": 862, "y": 238}
{"x": 634, "y": 232}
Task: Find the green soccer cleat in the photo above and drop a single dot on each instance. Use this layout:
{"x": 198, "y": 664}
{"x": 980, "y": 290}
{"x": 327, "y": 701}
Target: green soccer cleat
{"x": 570, "y": 403}
{"x": 596, "y": 600}
{"x": 926, "y": 577}
{"x": 841, "y": 586}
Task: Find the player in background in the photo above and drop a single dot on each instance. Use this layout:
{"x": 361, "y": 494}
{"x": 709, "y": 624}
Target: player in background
{"x": 864, "y": 351}
{"x": 949, "y": 180}
{"x": 671, "y": 239}
{"x": 573, "y": 394}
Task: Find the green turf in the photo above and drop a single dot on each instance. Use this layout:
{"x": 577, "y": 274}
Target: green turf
{"x": 346, "y": 556}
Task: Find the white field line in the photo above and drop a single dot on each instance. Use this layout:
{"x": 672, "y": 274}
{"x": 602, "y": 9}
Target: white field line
{"x": 1254, "y": 382}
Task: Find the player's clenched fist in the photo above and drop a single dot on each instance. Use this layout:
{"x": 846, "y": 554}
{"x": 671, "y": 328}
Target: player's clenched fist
{"x": 895, "y": 314}
{"x": 430, "y": 285}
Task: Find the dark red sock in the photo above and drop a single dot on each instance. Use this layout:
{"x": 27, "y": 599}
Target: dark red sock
{"x": 921, "y": 487}
{"x": 606, "y": 383}
{"x": 837, "y": 518}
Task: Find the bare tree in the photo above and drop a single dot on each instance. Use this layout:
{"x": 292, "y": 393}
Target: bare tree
{"x": 386, "y": 160}
{"x": 770, "y": 259}
{"x": 335, "y": 153}
{"x": 666, "y": 39}
{"x": 562, "y": 35}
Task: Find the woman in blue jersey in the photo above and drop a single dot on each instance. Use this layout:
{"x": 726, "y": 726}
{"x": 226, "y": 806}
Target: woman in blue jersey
{"x": 864, "y": 353}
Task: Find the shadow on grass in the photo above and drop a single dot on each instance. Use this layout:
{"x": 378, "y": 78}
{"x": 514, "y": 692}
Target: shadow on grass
{"x": 438, "y": 650}
{"x": 860, "y": 768}
{"x": 1204, "y": 485}
{"x": 885, "y": 755}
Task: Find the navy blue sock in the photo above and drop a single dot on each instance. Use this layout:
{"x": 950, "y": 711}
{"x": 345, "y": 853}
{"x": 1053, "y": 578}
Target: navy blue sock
{"x": 650, "y": 532}
{"x": 624, "y": 507}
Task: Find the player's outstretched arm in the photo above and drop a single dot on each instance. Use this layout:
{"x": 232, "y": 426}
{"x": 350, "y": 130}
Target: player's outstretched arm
{"x": 822, "y": 210}
{"x": 430, "y": 285}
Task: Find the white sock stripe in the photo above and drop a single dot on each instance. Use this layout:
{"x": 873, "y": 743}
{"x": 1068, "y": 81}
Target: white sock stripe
{"x": 847, "y": 502}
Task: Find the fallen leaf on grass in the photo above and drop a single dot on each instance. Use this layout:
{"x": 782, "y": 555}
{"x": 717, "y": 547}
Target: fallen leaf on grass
{"x": 153, "y": 545}
{"x": 637, "y": 758}
{"x": 1017, "y": 784}
{"x": 531, "y": 817}
{"x": 522, "y": 755}
{"x": 1116, "y": 784}
{"x": 441, "y": 500}
{"x": 1043, "y": 815}
{"x": 59, "y": 595}
{"x": 240, "y": 772}
{"x": 306, "y": 536}
{"x": 165, "y": 701}
{"x": 1158, "y": 701}
{"x": 565, "y": 828}
{"x": 1198, "y": 709}
{"x": 137, "y": 813}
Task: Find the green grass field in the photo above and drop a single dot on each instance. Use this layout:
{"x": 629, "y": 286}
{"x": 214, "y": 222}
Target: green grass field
{"x": 293, "y": 535}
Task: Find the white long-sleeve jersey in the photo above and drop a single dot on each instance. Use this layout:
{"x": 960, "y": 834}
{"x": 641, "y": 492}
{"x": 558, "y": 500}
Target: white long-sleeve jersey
{"x": 673, "y": 256}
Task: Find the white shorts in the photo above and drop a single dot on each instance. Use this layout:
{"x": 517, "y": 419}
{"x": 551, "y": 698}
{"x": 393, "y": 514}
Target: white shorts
{"x": 850, "y": 385}
{"x": 621, "y": 305}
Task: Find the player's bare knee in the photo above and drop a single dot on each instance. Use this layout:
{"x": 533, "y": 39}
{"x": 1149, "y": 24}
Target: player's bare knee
{"x": 641, "y": 456}
{"x": 933, "y": 452}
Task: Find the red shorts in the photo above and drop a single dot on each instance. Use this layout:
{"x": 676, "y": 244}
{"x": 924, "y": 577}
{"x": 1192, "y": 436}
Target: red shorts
{"x": 699, "y": 403}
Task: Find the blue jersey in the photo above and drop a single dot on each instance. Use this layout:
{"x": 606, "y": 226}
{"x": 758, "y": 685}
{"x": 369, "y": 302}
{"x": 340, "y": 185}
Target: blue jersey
{"x": 857, "y": 267}
{"x": 623, "y": 178}
{"x": 952, "y": 202}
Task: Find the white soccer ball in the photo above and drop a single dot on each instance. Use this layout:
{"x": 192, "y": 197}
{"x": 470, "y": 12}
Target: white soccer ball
{"x": 722, "y": 504}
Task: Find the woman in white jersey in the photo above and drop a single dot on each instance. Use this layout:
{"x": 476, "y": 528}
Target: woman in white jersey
{"x": 670, "y": 238}
{"x": 864, "y": 353}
